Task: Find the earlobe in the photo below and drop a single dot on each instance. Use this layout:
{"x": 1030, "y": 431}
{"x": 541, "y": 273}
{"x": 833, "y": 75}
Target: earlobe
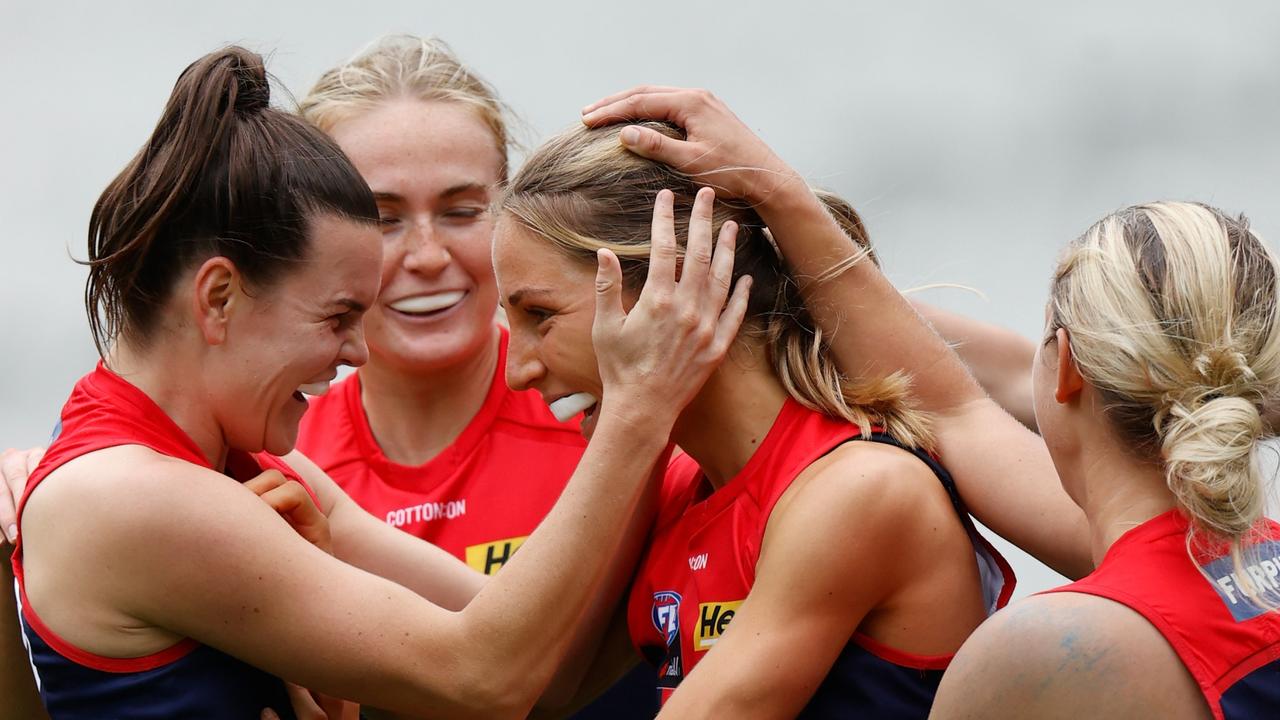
{"x": 1070, "y": 382}
{"x": 216, "y": 285}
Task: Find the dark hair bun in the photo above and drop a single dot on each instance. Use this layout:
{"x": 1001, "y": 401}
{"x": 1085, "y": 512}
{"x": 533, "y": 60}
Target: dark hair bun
{"x": 252, "y": 91}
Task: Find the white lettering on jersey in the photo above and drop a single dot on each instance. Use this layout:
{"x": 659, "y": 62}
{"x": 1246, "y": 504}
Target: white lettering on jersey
{"x": 698, "y": 562}
{"x": 427, "y": 512}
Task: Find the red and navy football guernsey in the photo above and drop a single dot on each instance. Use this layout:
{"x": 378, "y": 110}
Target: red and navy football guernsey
{"x": 478, "y": 499}
{"x": 1202, "y": 607}
{"x": 701, "y": 565}
{"x": 186, "y": 680}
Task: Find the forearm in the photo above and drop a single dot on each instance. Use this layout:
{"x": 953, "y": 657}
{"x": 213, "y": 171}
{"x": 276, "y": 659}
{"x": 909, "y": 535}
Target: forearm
{"x": 17, "y": 685}
{"x": 999, "y": 359}
{"x": 873, "y": 329}
{"x": 562, "y": 565}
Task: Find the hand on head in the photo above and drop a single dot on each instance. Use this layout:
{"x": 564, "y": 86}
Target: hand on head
{"x": 656, "y": 357}
{"x": 719, "y": 150}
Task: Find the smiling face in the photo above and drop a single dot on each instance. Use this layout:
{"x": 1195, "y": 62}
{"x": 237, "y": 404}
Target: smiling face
{"x": 433, "y": 168}
{"x": 551, "y": 304}
{"x": 293, "y": 335}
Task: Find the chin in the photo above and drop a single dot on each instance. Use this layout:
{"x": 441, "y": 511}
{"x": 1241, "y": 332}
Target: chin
{"x": 281, "y": 446}
{"x": 430, "y": 351}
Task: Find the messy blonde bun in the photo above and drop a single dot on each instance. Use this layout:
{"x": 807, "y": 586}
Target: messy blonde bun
{"x": 1171, "y": 312}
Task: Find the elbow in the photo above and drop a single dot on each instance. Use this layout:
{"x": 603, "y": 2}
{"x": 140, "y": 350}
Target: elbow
{"x": 498, "y": 692}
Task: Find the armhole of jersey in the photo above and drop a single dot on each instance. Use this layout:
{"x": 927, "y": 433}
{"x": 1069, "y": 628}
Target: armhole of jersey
{"x": 901, "y": 657}
{"x": 82, "y": 657}
{"x": 996, "y": 574}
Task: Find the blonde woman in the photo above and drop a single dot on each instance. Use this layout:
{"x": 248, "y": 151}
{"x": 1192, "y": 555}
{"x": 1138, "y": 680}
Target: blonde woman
{"x": 427, "y": 436}
{"x": 794, "y": 479}
{"x": 1160, "y": 361}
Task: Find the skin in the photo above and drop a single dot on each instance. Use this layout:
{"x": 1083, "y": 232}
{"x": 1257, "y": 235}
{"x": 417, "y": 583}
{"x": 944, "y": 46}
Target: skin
{"x": 434, "y": 168}
{"x": 1078, "y": 655}
{"x": 370, "y": 639}
{"x": 861, "y": 497}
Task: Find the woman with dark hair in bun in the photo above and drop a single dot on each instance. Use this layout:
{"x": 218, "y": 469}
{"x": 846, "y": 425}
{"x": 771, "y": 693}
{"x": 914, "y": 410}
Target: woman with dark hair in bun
{"x": 230, "y": 263}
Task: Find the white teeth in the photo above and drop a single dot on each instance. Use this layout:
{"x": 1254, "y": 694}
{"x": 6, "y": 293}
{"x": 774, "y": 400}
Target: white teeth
{"x": 428, "y": 303}
{"x": 315, "y": 389}
{"x": 566, "y": 407}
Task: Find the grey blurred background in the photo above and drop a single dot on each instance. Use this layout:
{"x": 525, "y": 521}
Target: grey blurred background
{"x": 976, "y": 138}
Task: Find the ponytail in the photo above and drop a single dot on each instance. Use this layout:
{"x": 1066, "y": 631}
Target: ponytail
{"x": 222, "y": 174}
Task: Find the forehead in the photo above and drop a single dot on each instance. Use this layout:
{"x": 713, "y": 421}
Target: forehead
{"x": 344, "y": 257}
{"x": 522, "y": 259}
{"x": 414, "y": 145}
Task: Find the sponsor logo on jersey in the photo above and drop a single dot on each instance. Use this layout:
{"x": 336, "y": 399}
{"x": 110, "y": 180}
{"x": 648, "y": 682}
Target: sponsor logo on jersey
{"x": 1240, "y": 588}
{"x": 427, "y": 512}
{"x": 713, "y": 619}
{"x": 488, "y": 558}
{"x": 666, "y": 614}
{"x": 698, "y": 562}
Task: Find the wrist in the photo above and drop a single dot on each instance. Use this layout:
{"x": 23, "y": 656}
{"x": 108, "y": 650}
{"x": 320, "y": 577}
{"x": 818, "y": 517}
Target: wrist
{"x": 788, "y": 194}
{"x": 636, "y": 418}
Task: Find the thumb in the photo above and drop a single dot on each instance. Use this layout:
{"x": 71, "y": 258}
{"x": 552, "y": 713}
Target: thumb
{"x": 269, "y": 714}
{"x": 609, "y": 312}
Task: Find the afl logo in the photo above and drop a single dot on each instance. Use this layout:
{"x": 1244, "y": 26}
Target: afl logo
{"x": 666, "y": 614}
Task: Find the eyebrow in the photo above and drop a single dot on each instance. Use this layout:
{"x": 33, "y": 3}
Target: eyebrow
{"x": 515, "y": 297}
{"x": 350, "y": 304}
{"x": 448, "y": 192}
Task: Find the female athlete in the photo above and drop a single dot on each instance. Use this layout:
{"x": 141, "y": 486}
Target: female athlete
{"x": 809, "y": 558}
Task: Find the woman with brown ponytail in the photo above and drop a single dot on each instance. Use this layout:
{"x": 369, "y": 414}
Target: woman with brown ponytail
{"x": 230, "y": 264}
{"x": 794, "y": 480}
{"x": 1159, "y": 367}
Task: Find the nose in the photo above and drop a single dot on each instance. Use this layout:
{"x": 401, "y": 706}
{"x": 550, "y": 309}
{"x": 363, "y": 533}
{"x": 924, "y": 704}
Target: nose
{"x": 424, "y": 252}
{"x": 523, "y": 366}
{"x": 354, "y": 351}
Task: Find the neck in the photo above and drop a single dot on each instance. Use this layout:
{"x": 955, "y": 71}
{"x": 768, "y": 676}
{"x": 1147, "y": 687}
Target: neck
{"x": 415, "y": 415}
{"x": 1119, "y": 491}
{"x": 162, "y": 377}
{"x": 725, "y": 423}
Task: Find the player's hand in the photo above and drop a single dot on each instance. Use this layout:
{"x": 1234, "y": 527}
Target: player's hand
{"x": 295, "y": 505}
{"x": 656, "y": 357}
{"x": 719, "y": 150}
{"x": 16, "y": 466}
{"x": 312, "y": 706}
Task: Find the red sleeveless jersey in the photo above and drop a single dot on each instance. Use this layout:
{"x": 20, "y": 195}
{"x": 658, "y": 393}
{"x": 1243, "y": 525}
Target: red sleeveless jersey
{"x": 480, "y": 497}
{"x": 186, "y": 680}
{"x": 1230, "y": 645}
{"x": 701, "y": 562}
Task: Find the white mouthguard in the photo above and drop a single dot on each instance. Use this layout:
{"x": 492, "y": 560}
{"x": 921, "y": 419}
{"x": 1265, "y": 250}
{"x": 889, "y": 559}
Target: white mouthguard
{"x": 566, "y": 407}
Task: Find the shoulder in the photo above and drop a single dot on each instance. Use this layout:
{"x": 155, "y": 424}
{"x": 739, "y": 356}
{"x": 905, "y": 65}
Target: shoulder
{"x": 1076, "y": 655}
{"x": 861, "y": 498}
{"x": 880, "y": 485}
{"x": 129, "y": 481}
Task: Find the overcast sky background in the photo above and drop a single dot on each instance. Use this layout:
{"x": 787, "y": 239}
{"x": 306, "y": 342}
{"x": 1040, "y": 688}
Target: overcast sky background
{"x": 976, "y": 138}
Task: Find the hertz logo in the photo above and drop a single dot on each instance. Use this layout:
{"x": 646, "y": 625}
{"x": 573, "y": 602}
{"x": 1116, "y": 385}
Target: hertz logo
{"x": 488, "y": 558}
{"x": 713, "y": 618}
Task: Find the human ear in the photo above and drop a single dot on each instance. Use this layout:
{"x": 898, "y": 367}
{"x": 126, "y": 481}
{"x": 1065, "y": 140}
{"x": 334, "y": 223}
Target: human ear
{"x": 215, "y": 288}
{"x": 1070, "y": 382}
